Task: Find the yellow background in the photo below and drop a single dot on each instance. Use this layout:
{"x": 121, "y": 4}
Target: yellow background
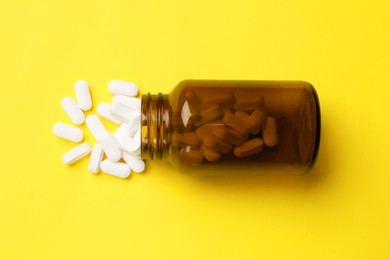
{"x": 51, "y": 211}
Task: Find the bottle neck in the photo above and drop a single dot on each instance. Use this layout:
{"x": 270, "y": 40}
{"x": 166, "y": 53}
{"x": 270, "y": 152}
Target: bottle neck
{"x": 155, "y": 126}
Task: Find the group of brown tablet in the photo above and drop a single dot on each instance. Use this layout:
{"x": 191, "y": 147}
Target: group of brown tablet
{"x": 224, "y": 123}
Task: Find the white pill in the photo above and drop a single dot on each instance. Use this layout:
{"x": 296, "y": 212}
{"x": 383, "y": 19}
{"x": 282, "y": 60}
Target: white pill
{"x": 111, "y": 147}
{"x": 134, "y": 122}
{"x": 83, "y": 95}
{"x": 133, "y": 102}
{"x": 120, "y": 170}
{"x": 123, "y": 129}
{"x": 76, "y": 153}
{"x": 103, "y": 110}
{"x": 135, "y": 143}
{"x": 96, "y": 127}
{"x": 136, "y": 164}
{"x": 68, "y": 132}
{"x": 72, "y": 110}
{"x": 121, "y": 110}
{"x": 118, "y": 87}
{"x": 96, "y": 158}
{"x": 122, "y": 137}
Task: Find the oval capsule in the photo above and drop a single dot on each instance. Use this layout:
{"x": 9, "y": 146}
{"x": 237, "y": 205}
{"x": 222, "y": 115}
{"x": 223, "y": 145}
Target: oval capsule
{"x": 120, "y": 170}
{"x": 96, "y": 127}
{"x": 103, "y": 109}
{"x": 96, "y": 158}
{"x": 136, "y": 164}
{"x": 76, "y": 153}
{"x": 83, "y": 95}
{"x": 73, "y": 110}
{"x": 132, "y": 102}
{"x": 68, "y": 132}
{"x": 111, "y": 147}
{"x": 118, "y": 87}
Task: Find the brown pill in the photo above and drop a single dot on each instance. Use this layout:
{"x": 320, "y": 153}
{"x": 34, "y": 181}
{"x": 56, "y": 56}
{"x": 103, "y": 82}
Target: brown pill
{"x": 188, "y": 138}
{"x": 210, "y": 154}
{"x": 258, "y": 118}
{"x": 208, "y": 115}
{"x": 252, "y": 146}
{"x": 218, "y": 99}
{"x": 203, "y": 131}
{"x": 236, "y": 123}
{"x": 248, "y": 103}
{"x": 270, "y": 135}
{"x": 228, "y": 135}
{"x": 217, "y": 145}
{"x": 247, "y": 118}
{"x": 191, "y": 156}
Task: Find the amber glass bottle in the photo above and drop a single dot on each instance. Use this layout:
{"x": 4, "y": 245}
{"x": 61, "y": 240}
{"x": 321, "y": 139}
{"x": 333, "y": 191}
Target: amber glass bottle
{"x": 213, "y": 127}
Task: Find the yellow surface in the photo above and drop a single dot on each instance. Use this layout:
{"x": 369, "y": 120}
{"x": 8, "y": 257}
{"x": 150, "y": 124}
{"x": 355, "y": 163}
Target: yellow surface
{"x": 51, "y": 211}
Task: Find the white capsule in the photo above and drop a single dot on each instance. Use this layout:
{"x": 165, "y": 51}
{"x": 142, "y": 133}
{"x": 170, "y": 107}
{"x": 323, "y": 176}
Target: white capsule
{"x": 111, "y": 147}
{"x": 83, "y": 95}
{"x": 68, "y": 132}
{"x": 135, "y": 143}
{"x": 118, "y": 87}
{"x": 121, "y": 110}
{"x": 96, "y": 158}
{"x": 96, "y": 127}
{"x": 120, "y": 170}
{"x": 122, "y": 136}
{"x": 103, "y": 110}
{"x": 76, "y": 153}
{"x": 132, "y": 102}
{"x": 136, "y": 164}
{"x": 72, "y": 110}
{"x": 134, "y": 122}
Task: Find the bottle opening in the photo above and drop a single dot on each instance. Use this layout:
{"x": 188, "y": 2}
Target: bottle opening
{"x": 155, "y": 115}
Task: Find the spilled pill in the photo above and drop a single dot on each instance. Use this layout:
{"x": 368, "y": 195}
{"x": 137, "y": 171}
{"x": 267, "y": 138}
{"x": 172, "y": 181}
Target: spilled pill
{"x": 132, "y": 102}
{"x": 111, "y": 147}
{"x": 117, "y": 169}
{"x": 135, "y": 143}
{"x": 134, "y": 122}
{"x": 118, "y": 87}
{"x": 96, "y": 158}
{"x": 136, "y": 164}
{"x": 124, "y": 110}
{"x": 73, "y": 110}
{"x": 120, "y": 110}
{"x": 123, "y": 138}
{"x": 76, "y": 153}
{"x": 103, "y": 110}
{"x": 68, "y": 132}
{"x": 83, "y": 95}
{"x": 96, "y": 127}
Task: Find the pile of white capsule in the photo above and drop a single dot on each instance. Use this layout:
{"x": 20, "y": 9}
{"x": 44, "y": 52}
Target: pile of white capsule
{"x": 123, "y": 148}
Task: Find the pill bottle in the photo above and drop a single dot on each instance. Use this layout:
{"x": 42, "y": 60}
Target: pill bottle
{"x": 213, "y": 127}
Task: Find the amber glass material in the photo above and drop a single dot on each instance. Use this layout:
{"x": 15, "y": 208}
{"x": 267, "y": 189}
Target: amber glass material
{"x": 215, "y": 127}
